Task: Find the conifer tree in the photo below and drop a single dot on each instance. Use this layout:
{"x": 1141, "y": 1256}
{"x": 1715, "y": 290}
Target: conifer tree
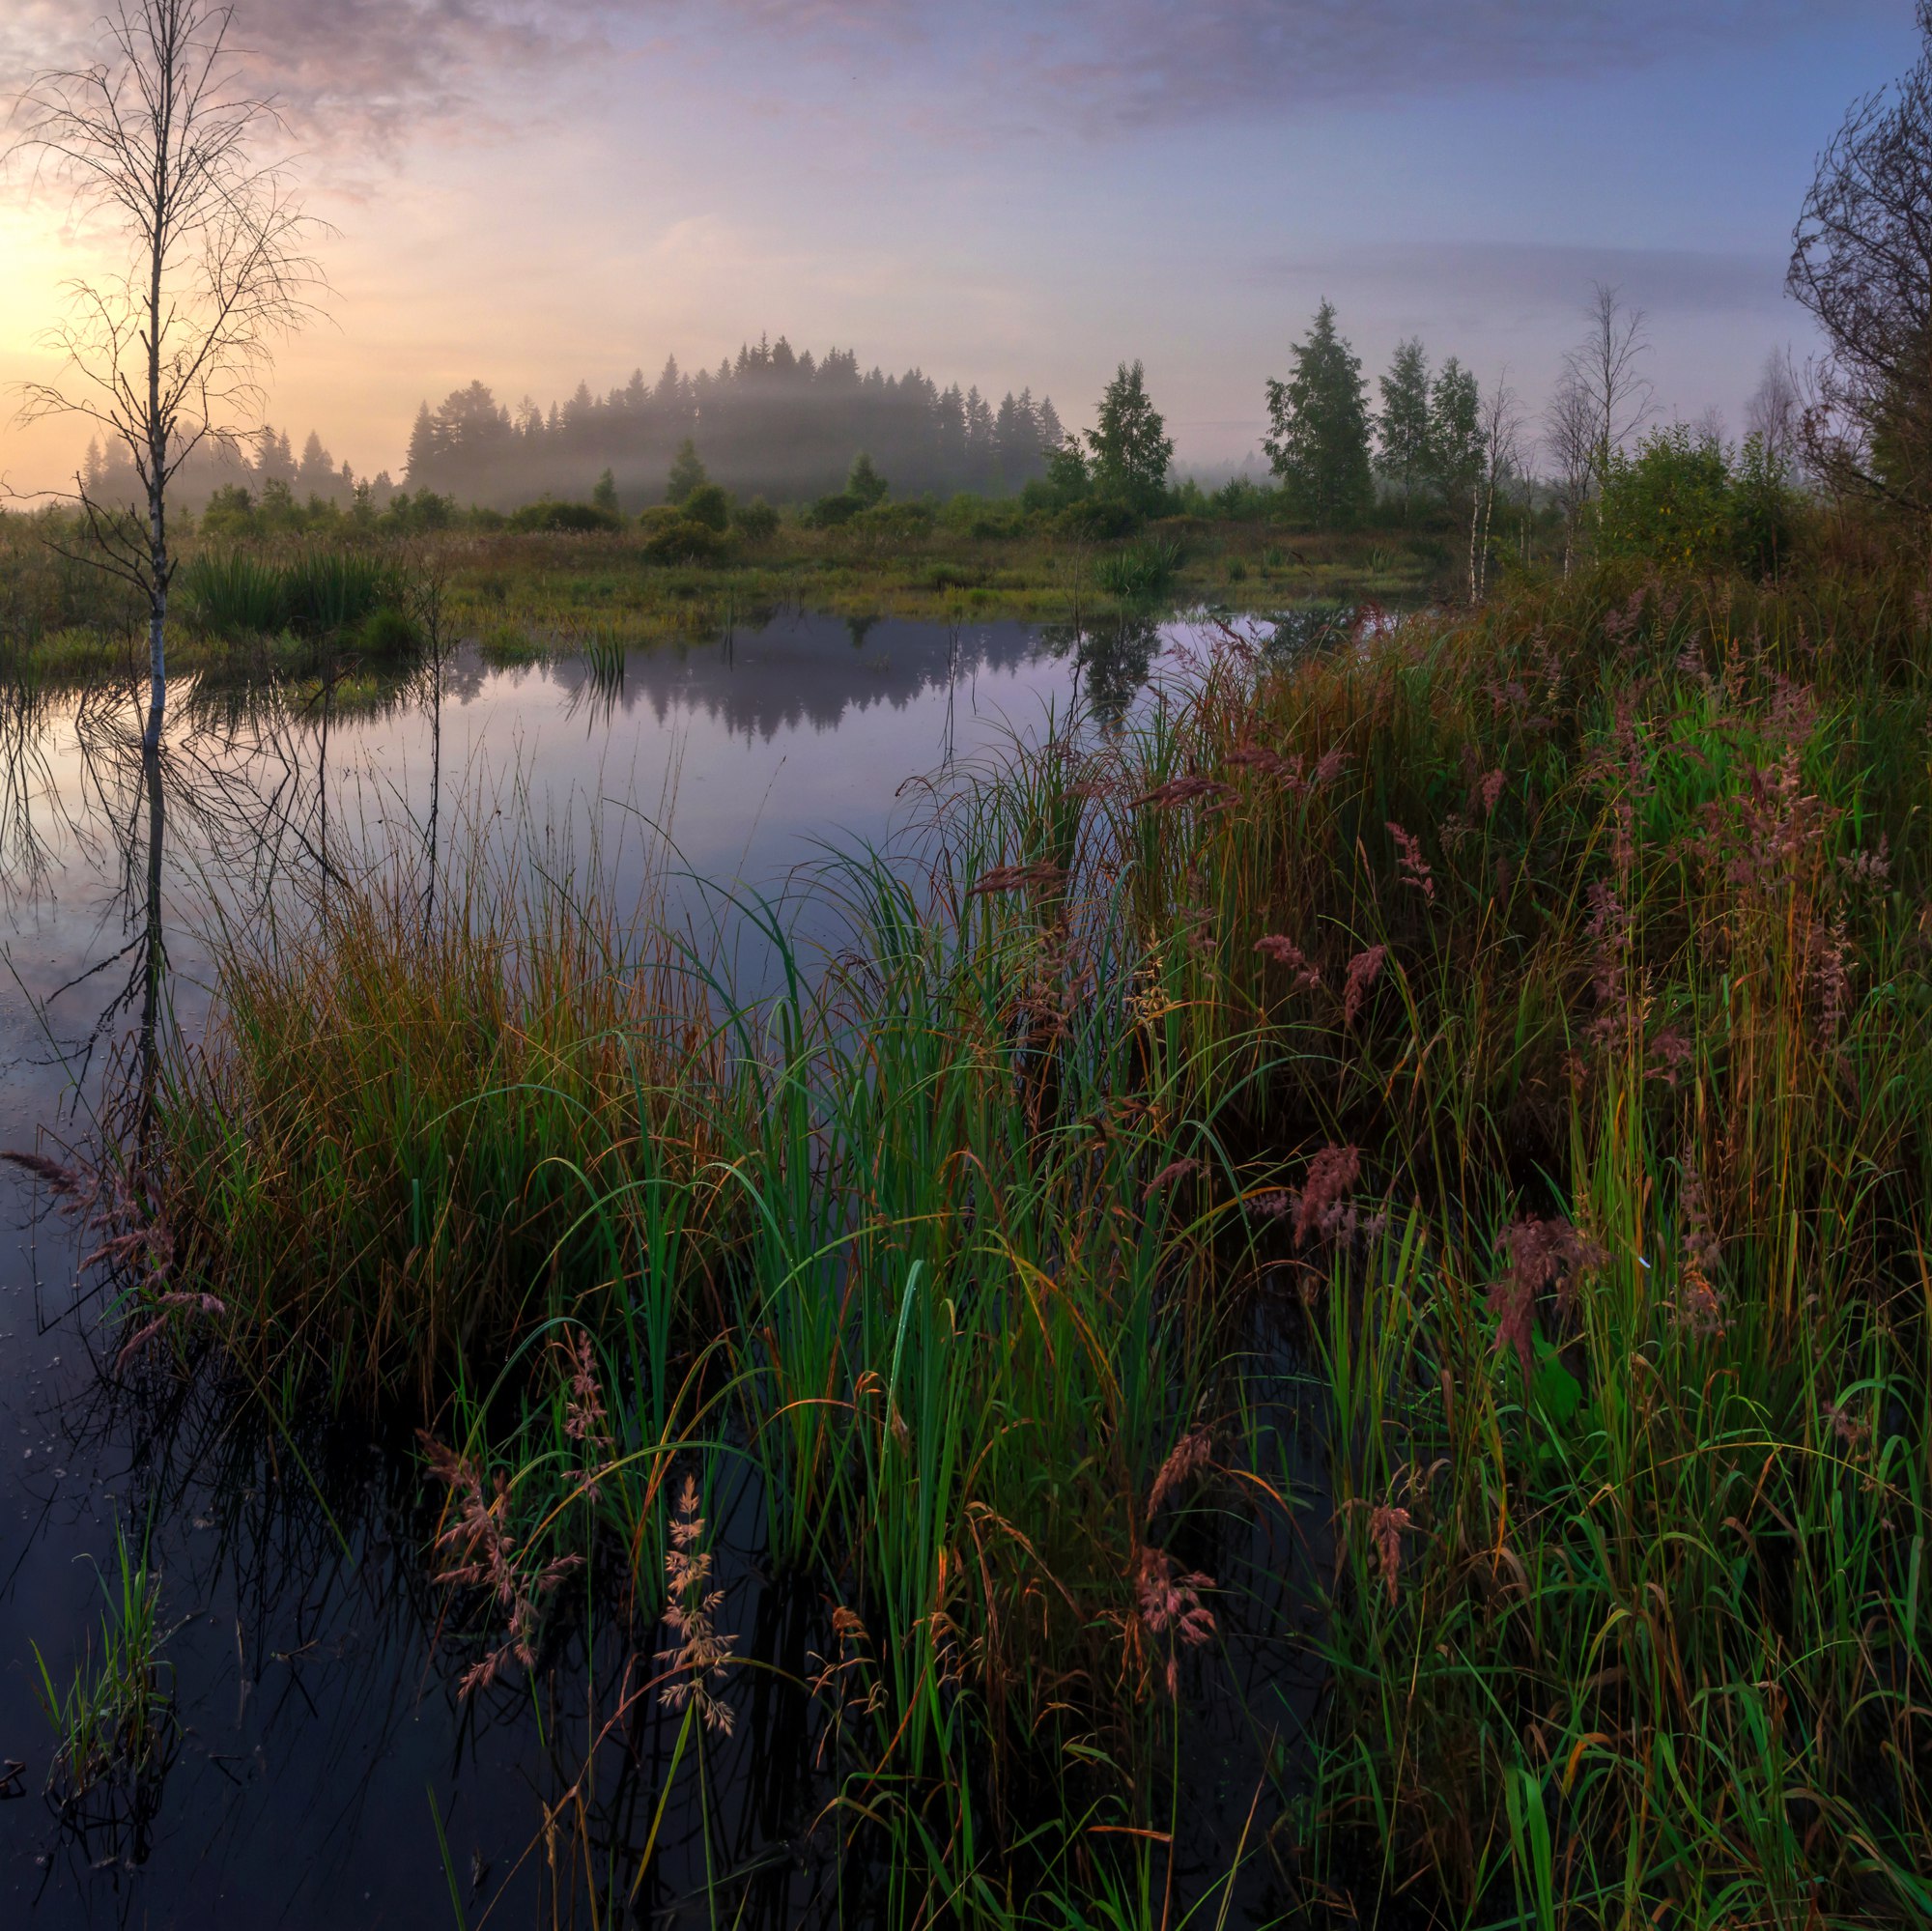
{"x": 687, "y": 472}
{"x": 1319, "y": 429}
{"x": 865, "y": 483}
{"x": 604, "y": 496}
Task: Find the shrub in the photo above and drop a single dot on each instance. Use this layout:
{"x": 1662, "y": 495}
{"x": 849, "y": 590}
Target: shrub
{"x": 755, "y": 520}
{"x": 710, "y": 505}
{"x": 682, "y": 539}
{"x": 387, "y": 632}
{"x": 829, "y": 512}
{"x": 1099, "y": 519}
{"x": 570, "y": 519}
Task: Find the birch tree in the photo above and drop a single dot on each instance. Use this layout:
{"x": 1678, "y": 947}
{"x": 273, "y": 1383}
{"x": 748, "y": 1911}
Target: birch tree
{"x": 158, "y": 141}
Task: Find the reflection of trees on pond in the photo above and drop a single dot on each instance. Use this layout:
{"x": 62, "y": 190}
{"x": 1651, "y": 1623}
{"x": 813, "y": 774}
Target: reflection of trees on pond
{"x": 1113, "y": 656}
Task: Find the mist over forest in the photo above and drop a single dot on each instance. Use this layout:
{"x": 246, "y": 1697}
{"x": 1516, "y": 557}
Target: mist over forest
{"x": 774, "y": 422}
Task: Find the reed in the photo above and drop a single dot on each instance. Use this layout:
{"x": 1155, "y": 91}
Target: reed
{"x": 1445, "y": 1108}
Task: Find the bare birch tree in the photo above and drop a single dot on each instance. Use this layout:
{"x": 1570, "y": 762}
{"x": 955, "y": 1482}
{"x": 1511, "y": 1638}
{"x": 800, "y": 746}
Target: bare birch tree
{"x": 158, "y": 140}
{"x": 1607, "y": 368}
{"x": 1570, "y": 435}
{"x": 1501, "y": 426}
{"x": 1776, "y": 412}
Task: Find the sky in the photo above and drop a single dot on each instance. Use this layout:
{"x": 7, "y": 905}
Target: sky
{"x": 1007, "y": 192}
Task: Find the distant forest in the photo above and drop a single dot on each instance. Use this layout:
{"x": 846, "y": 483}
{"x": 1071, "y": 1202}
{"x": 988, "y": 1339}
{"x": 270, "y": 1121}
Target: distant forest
{"x": 775, "y": 423}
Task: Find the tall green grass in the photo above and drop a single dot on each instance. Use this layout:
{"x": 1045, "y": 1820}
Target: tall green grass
{"x": 314, "y": 591}
{"x": 1483, "y": 1064}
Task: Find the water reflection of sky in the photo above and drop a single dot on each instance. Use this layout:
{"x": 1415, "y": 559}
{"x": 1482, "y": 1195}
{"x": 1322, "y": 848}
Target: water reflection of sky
{"x": 308, "y": 1788}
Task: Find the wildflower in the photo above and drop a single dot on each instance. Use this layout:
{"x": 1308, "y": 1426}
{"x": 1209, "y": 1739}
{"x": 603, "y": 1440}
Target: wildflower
{"x": 484, "y": 1556}
{"x": 1670, "y": 1053}
{"x": 1411, "y": 863}
{"x": 1386, "y": 1524}
{"x": 62, "y": 1181}
{"x": 1538, "y": 1254}
{"x": 1283, "y": 952}
{"x": 1043, "y": 873}
{"x": 1364, "y": 969}
{"x": 1175, "y": 1170}
{"x": 702, "y": 1655}
{"x": 199, "y": 1303}
{"x": 584, "y": 1418}
{"x": 1191, "y": 1454}
{"x": 1172, "y": 1601}
{"x": 1321, "y": 1207}
{"x": 1846, "y": 1425}
{"x": 1332, "y": 764}
{"x": 1208, "y": 792}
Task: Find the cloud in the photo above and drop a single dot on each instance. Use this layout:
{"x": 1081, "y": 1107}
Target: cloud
{"x": 1542, "y": 278}
{"x": 380, "y": 69}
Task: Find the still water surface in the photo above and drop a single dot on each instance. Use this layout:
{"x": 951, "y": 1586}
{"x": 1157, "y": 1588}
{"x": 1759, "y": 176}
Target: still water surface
{"x": 324, "y": 1750}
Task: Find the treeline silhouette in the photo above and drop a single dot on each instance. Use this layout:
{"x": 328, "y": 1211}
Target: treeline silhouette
{"x": 775, "y": 423}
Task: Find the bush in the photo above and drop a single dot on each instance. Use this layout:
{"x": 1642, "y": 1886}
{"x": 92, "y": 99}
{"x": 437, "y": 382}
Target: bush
{"x": 1099, "y": 519}
{"x": 683, "y": 539}
{"x": 387, "y": 632}
{"x": 1682, "y": 501}
{"x": 570, "y": 519}
{"x": 755, "y": 520}
{"x": 709, "y": 504}
{"x": 895, "y": 521}
{"x": 829, "y": 512}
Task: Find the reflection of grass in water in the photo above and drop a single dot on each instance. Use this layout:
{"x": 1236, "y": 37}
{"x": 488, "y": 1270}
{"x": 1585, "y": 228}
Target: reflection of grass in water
{"x": 113, "y": 1721}
{"x": 1520, "y": 1010}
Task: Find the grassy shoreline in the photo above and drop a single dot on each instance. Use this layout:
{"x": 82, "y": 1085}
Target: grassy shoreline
{"x": 1523, "y": 1013}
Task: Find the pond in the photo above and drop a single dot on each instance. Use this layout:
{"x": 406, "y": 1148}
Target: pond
{"x": 326, "y": 1772}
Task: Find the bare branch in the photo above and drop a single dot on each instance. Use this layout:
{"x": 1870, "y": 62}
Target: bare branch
{"x": 157, "y": 139}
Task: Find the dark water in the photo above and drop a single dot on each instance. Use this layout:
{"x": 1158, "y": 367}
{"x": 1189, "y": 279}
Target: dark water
{"x": 326, "y": 1773}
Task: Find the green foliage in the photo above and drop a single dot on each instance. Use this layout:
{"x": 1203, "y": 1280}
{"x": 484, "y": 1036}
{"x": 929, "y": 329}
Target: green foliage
{"x": 865, "y": 484}
{"x": 114, "y": 1720}
{"x": 235, "y": 592}
{"x": 755, "y": 520}
{"x": 1130, "y": 445}
{"x": 687, "y": 472}
{"x": 1317, "y": 439}
{"x": 604, "y": 496}
{"x": 387, "y": 632}
{"x": 1680, "y": 500}
{"x": 829, "y": 512}
{"x": 1455, "y": 448}
{"x": 1403, "y": 428}
{"x": 672, "y": 537}
{"x": 1139, "y": 570}
{"x": 709, "y": 504}
{"x": 319, "y": 590}
{"x": 563, "y": 519}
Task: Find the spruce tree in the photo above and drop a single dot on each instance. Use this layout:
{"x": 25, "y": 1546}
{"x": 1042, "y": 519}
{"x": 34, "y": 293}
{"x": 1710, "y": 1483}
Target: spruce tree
{"x": 1402, "y": 432}
{"x": 421, "y": 458}
{"x": 1131, "y": 449}
{"x": 1319, "y": 429}
{"x": 865, "y": 483}
{"x": 604, "y": 496}
{"x": 686, "y": 472}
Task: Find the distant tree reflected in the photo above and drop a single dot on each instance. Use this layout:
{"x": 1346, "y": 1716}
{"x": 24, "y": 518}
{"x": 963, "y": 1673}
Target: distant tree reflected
{"x": 1113, "y": 657}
